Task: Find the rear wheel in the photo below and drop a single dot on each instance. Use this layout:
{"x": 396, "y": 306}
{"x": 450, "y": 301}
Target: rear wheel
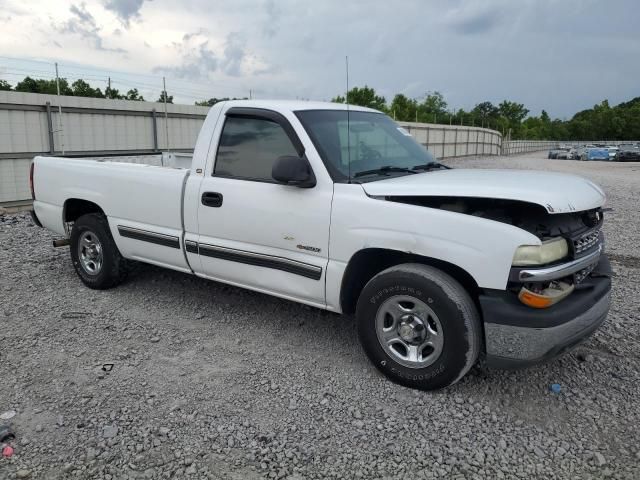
{"x": 419, "y": 326}
{"x": 94, "y": 253}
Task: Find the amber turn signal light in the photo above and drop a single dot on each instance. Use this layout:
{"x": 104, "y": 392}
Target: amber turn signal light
{"x": 547, "y": 297}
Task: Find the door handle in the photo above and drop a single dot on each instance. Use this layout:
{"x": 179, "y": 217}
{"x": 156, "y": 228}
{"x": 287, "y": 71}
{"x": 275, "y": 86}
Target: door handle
{"x": 212, "y": 199}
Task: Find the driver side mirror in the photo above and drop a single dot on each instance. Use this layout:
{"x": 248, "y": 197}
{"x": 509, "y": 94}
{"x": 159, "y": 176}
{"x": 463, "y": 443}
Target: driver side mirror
{"x": 295, "y": 171}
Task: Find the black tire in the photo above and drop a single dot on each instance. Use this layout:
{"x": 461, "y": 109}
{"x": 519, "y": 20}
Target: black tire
{"x": 114, "y": 267}
{"x": 457, "y": 316}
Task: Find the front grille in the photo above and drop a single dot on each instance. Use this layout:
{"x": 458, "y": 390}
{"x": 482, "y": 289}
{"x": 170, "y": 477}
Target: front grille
{"x": 584, "y": 273}
{"x": 586, "y": 241}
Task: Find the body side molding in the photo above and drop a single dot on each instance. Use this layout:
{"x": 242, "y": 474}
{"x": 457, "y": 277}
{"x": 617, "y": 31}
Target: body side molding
{"x": 151, "y": 237}
{"x": 260, "y": 260}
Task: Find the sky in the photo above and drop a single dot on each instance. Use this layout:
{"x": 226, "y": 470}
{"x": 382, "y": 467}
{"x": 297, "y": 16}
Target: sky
{"x": 559, "y": 55}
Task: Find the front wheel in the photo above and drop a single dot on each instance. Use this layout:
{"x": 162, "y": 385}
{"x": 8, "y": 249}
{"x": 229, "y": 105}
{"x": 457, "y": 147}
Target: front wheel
{"x": 419, "y": 326}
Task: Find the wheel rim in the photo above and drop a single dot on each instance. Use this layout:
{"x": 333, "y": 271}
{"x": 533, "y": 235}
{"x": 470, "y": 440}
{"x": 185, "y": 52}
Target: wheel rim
{"x": 409, "y": 331}
{"x": 90, "y": 253}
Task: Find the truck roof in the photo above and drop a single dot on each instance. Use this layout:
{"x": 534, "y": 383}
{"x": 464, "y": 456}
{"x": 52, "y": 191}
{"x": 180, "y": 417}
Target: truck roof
{"x": 295, "y": 105}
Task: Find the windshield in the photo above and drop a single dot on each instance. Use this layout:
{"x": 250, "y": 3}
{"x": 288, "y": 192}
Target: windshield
{"x": 379, "y": 148}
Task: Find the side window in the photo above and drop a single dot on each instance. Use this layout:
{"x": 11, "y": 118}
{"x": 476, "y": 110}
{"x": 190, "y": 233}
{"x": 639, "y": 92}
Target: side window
{"x": 249, "y": 147}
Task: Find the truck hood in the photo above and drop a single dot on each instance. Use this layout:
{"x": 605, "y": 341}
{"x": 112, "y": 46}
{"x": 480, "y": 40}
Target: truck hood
{"x": 556, "y": 192}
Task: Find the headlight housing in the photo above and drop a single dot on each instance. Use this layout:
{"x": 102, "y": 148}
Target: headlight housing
{"x": 533, "y": 255}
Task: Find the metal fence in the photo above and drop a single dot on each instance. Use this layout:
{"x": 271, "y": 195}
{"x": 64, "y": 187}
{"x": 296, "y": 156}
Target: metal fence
{"x": 514, "y": 147}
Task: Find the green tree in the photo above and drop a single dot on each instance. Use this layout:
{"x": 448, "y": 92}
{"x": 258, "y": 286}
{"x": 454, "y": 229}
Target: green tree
{"x": 164, "y": 95}
{"x": 43, "y": 86}
{"x": 403, "y": 108}
{"x": 512, "y": 114}
{"x": 485, "y": 114}
{"x": 211, "y": 102}
{"x": 4, "y": 85}
{"x": 432, "y": 107}
{"x": 364, "y": 97}
{"x": 133, "y": 94}
{"x": 83, "y": 89}
{"x": 512, "y": 111}
{"x": 113, "y": 94}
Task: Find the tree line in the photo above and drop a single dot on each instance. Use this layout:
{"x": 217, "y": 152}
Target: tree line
{"x": 80, "y": 88}
{"x": 602, "y": 122}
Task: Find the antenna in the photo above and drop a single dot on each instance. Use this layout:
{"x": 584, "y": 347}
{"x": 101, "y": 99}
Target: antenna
{"x": 348, "y": 122}
{"x": 166, "y": 116}
{"x": 60, "y": 125}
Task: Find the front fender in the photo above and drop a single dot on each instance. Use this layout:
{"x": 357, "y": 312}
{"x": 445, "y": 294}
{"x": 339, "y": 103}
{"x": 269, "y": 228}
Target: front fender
{"x": 483, "y": 248}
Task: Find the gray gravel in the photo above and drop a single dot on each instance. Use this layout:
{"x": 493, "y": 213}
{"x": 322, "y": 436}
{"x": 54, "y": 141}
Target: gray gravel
{"x": 170, "y": 376}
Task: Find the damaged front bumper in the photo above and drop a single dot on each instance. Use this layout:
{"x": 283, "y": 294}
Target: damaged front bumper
{"x": 519, "y": 336}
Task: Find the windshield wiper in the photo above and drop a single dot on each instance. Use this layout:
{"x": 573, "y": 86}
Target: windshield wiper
{"x": 430, "y": 166}
{"x": 384, "y": 171}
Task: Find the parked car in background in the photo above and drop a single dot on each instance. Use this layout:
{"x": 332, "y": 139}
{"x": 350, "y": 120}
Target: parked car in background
{"x": 628, "y": 153}
{"x": 613, "y": 151}
{"x": 628, "y": 146}
{"x": 574, "y": 154}
{"x": 601, "y": 154}
{"x": 553, "y": 153}
{"x": 580, "y": 151}
{"x": 566, "y": 154}
{"x": 559, "y": 152}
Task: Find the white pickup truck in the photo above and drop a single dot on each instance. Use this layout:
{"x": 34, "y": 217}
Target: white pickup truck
{"x": 341, "y": 209}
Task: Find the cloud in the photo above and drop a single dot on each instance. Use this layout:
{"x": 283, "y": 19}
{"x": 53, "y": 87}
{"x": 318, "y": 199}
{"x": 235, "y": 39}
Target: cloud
{"x": 234, "y": 54}
{"x": 125, "y": 10}
{"x": 536, "y": 52}
{"x": 475, "y": 18}
{"x": 83, "y": 23}
{"x": 273, "y": 17}
{"x": 200, "y": 60}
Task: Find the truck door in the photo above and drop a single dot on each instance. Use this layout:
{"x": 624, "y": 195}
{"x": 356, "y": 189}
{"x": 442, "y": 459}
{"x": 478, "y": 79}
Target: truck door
{"x": 254, "y": 232}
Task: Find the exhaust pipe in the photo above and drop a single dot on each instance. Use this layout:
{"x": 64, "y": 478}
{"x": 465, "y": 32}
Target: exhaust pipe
{"x": 61, "y": 242}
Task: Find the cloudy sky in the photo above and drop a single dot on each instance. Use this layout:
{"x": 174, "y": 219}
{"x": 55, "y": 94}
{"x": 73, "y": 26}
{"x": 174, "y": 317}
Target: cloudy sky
{"x": 560, "y": 55}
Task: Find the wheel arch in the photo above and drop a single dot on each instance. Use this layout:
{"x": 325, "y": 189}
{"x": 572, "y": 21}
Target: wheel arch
{"x": 74, "y": 208}
{"x": 368, "y": 262}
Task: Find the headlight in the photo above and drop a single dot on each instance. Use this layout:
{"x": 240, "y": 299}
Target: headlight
{"x": 550, "y": 251}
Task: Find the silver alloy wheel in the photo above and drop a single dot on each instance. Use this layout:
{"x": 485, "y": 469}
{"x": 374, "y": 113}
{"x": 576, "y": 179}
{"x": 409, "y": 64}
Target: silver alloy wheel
{"x": 409, "y": 331}
{"x": 90, "y": 253}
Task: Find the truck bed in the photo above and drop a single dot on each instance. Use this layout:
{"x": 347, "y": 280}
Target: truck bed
{"x": 134, "y": 194}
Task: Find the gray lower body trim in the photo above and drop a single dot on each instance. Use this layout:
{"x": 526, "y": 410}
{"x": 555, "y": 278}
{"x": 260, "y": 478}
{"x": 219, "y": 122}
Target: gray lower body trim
{"x": 150, "y": 237}
{"x": 510, "y": 346}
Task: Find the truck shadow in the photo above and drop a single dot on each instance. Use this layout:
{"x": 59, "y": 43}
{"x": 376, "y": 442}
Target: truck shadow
{"x": 315, "y": 332}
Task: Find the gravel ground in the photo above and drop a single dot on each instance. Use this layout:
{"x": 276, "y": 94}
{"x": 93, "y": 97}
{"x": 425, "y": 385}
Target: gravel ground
{"x": 211, "y": 381}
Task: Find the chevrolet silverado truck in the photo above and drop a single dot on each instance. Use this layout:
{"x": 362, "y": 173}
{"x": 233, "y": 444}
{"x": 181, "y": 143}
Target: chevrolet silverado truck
{"x": 339, "y": 208}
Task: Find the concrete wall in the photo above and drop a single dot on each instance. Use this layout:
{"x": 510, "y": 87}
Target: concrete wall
{"x": 448, "y": 141}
